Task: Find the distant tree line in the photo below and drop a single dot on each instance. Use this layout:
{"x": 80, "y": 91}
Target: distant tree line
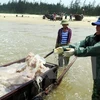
{"x": 25, "y": 7}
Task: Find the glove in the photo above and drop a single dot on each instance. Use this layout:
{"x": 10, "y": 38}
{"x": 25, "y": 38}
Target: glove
{"x": 69, "y": 52}
{"x": 58, "y": 50}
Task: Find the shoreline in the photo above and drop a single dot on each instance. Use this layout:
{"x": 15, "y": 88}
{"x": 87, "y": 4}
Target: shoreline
{"x": 38, "y": 19}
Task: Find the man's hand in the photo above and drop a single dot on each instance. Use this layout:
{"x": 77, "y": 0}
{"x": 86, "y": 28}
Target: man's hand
{"x": 69, "y": 52}
{"x": 58, "y": 50}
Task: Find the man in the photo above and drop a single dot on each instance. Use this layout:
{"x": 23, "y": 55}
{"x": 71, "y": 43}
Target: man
{"x": 90, "y": 46}
{"x": 63, "y": 38}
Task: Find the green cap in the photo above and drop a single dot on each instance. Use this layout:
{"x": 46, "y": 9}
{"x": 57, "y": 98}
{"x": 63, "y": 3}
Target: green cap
{"x": 64, "y": 22}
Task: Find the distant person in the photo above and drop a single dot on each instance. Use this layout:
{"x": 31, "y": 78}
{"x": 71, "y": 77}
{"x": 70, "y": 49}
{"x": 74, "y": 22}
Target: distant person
{"x": 82, "y": 16}
{"x": 66, "y": 16}
{"x": 90, "y": 46}
{"x": 62, "y": 16}
{"x": 54, "y": 16}
{"x": 63, "y": 38}
{"x": 70, "y": 17}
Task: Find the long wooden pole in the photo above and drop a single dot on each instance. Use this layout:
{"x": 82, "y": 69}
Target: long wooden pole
{"x": 48, "y": 54}
{"x": 23, "y": 59}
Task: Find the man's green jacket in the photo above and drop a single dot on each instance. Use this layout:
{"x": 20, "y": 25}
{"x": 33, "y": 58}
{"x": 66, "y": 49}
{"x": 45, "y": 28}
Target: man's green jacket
{"x": 90, "y": 46}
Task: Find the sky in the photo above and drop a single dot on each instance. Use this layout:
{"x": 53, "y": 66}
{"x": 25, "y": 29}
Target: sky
{"x": 65, "y": 2}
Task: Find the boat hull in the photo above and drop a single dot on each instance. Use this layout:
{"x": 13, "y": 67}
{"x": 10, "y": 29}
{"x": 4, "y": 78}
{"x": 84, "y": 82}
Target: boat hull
{"x": 78, "y": 17}
{"x": 30, "y": 89}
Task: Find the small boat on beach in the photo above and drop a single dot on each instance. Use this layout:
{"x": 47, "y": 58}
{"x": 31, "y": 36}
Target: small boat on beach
{"x": 51, "y": 17}
{"x": 30, "y": 89}
{"x": 78, "y": 17}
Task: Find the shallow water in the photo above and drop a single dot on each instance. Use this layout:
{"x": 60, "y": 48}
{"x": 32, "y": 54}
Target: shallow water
{"x": 18, "y": 39}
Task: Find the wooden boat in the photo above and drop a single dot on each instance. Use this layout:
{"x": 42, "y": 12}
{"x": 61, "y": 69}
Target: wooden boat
{"x": 50, "y": 16}
{"x": 29, "y": 90}
{"x": 78, "y": 17}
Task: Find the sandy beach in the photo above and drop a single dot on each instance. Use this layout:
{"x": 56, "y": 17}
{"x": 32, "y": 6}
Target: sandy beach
{"x": 37, "y": 19}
